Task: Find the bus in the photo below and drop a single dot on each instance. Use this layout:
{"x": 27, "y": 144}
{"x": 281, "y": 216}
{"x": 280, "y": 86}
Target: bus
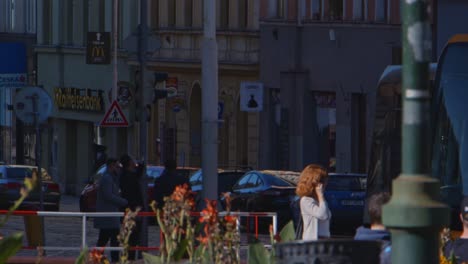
{"x": 449, "y": 127}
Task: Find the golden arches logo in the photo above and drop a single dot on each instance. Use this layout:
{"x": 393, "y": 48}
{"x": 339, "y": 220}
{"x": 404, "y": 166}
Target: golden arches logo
{"x": 97, "y": 52}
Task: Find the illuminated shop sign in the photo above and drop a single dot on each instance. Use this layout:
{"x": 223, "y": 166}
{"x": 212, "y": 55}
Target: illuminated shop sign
{"x": 78, "y": 99}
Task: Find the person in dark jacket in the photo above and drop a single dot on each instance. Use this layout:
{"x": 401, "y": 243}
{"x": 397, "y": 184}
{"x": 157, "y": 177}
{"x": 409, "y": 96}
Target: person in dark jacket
{"x": 377, "y": 230}
{"x": 459, "y": 246}
{"x": 165, "y": 184}
{"x": 130, "y": 186}
{"x": 109, "y": 200}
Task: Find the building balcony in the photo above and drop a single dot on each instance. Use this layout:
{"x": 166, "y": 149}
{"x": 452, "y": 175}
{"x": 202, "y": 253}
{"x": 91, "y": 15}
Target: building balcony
{"x": 234, "y": 47}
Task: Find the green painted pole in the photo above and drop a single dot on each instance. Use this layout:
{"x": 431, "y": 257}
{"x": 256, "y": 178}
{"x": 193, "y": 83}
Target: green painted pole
{"x": 414, "y": 214}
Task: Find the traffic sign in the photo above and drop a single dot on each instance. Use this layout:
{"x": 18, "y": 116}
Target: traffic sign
{"x": 98, "y": 48}
{"x": 32, "y": 104}
{"x": 114, "y": 117}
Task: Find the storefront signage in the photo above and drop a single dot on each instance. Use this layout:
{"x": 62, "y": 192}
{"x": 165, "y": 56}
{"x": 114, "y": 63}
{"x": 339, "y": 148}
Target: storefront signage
{"x": 251, "y": 96}
{"x": 171, "y": 86}
{"x": 98, "y": 48}
{"x": 13, "y": 79}
{"x": 78, "y": 99}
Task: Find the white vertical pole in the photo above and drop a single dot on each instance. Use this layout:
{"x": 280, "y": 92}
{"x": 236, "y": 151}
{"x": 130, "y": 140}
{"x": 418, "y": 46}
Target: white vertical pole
{"x": 115, "y": 41}
{"x": 113, "y": 131}
{"x": 209, "y": 102}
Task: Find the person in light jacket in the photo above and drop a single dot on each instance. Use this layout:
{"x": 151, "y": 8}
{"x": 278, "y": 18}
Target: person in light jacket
{"x": 109, "y": 200}
{"x": 314, "y": 208}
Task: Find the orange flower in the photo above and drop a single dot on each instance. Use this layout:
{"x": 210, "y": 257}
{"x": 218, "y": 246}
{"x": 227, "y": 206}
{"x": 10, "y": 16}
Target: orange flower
{"x": 210, "y": 214}
{"x": 97, "y": 256}
{"x": 230, "y": 219}
{"x": 203, "y": 239}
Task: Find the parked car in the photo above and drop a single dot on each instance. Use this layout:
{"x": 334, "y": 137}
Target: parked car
{"x": 266, "y": 191}
{"x": 89, "y": 192}
{"x": 12, "y": 179}
{"x": 185, "y": 172}
{"x": 226, "y": 180}
{"x": 345, "y": 194}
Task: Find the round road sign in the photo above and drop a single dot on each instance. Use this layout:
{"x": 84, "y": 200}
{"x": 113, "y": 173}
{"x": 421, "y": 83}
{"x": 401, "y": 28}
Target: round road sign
{"x": 31, "y": 102}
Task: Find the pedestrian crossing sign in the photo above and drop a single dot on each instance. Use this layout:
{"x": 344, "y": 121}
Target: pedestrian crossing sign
{"x": 114, "y": 117}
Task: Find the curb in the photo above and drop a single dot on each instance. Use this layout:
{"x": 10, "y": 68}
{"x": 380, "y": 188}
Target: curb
{"x": 39, "y": 260}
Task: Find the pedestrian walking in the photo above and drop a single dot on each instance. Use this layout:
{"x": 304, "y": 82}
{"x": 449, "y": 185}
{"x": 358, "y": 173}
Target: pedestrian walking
{"x": 109, "y": 200}
{"x": 377, "y": 230}
{"x": 459, "y": 246}
{"x": 314, "y": 208}
{"x": 165, "y": 184}
{"x": 130, "y": 186}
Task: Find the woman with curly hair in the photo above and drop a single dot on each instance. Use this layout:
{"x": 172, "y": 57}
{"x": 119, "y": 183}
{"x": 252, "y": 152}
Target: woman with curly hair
{"x": 314, "y": 209}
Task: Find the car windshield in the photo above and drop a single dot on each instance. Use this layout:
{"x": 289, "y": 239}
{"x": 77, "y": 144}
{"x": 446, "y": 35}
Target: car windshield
{"x": 227, "y": 180}
{"x": 346, "y": 183}
{"x": 18, "y": 173}
{"x": 154, "y": 172}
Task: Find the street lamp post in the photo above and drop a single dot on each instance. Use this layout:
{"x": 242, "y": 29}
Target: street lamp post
{"x": 414, "y": 214}
{"x": 209, "y": 101}
{"x": 143, "y": 118}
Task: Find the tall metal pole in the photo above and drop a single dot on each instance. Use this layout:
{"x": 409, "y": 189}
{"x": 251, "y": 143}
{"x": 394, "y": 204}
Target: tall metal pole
{"x": 209, "y": 102}
{"x": 414, "y": 215}
{"x": 115, "y": 41}
{"x": 115, "y": 72}
{"x": 142, "y": 47}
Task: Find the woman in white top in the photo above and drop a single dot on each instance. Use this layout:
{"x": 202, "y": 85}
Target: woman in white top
{"x": 314, "y": 209}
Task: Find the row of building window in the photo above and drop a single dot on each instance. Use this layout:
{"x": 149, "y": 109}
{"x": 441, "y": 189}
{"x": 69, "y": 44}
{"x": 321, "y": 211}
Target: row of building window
{"x": 65, "y": 21}
{"x": 18, "y": 16}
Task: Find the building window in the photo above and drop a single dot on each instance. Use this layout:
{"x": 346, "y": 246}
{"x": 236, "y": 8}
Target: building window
{"x": 171, "y": 13}
{"x": 396, "y": 55}
{"x": 335, "y": 9}
{"x": 47, "y": 22}
{"x": 358, "y": 134}
{"x": 281, "y": 8}
{"x": 224, "y": 14}
{"x": 188, "y": 13}
{"x": 326, "y": 123}
{"x": 12, "y": 15}
{"x": 243, "y": 13}
{"x": 154, "y": 15}
{"x": 68, "y": 29}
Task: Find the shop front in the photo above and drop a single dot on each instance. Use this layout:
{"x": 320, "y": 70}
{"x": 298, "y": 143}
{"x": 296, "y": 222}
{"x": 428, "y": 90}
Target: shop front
{"x": 81, "y": 96}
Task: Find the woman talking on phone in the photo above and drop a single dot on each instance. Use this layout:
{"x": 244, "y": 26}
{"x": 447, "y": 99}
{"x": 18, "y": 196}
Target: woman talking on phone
{"x": 314, "y": 209}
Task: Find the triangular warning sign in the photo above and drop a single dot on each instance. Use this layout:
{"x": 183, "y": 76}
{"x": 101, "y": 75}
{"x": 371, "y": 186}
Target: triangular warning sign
{"x": 114, "y": 117}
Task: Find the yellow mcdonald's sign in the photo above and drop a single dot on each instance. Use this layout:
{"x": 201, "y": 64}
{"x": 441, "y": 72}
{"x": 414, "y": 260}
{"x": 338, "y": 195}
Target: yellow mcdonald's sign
{"x": 97, "y": 51}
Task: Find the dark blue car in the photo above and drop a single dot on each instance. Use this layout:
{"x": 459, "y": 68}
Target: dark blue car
{"x": 266, "y": 191}
{"x": 346, "y": 194}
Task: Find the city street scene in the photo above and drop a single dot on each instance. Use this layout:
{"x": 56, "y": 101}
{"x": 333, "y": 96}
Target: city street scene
{"x": 233, "y": 131}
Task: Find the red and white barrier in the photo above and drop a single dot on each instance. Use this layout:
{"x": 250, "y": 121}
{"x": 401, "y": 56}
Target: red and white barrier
{"x": 86, "y": 215}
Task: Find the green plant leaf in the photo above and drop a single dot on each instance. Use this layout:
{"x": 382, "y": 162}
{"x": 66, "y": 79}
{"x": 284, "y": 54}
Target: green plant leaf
{"x": 181, "y": 249}
{"x": 288, "y": 233}
{"x": 9, "y": 246}
{"x": 258, "y": 254}
{"x": 201, "y": 254}
{"x": 82, "y": 257}
{"x": 151, "y": 259}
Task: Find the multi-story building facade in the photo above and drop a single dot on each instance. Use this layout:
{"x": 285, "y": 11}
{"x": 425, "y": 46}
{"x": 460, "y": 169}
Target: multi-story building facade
{"x": 180, "y": 26}
{"x": 175, "y": 122}
{"x": 319, "y": 61}
{"x": 17, "y": 69}
{"x": 320, "y": 89}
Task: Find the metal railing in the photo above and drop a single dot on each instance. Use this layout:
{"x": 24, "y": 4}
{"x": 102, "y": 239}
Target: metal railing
{"x": 87, "y": 215}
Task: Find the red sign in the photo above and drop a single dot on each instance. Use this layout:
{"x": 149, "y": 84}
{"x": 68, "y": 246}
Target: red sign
{"x": 114, "y": 117}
